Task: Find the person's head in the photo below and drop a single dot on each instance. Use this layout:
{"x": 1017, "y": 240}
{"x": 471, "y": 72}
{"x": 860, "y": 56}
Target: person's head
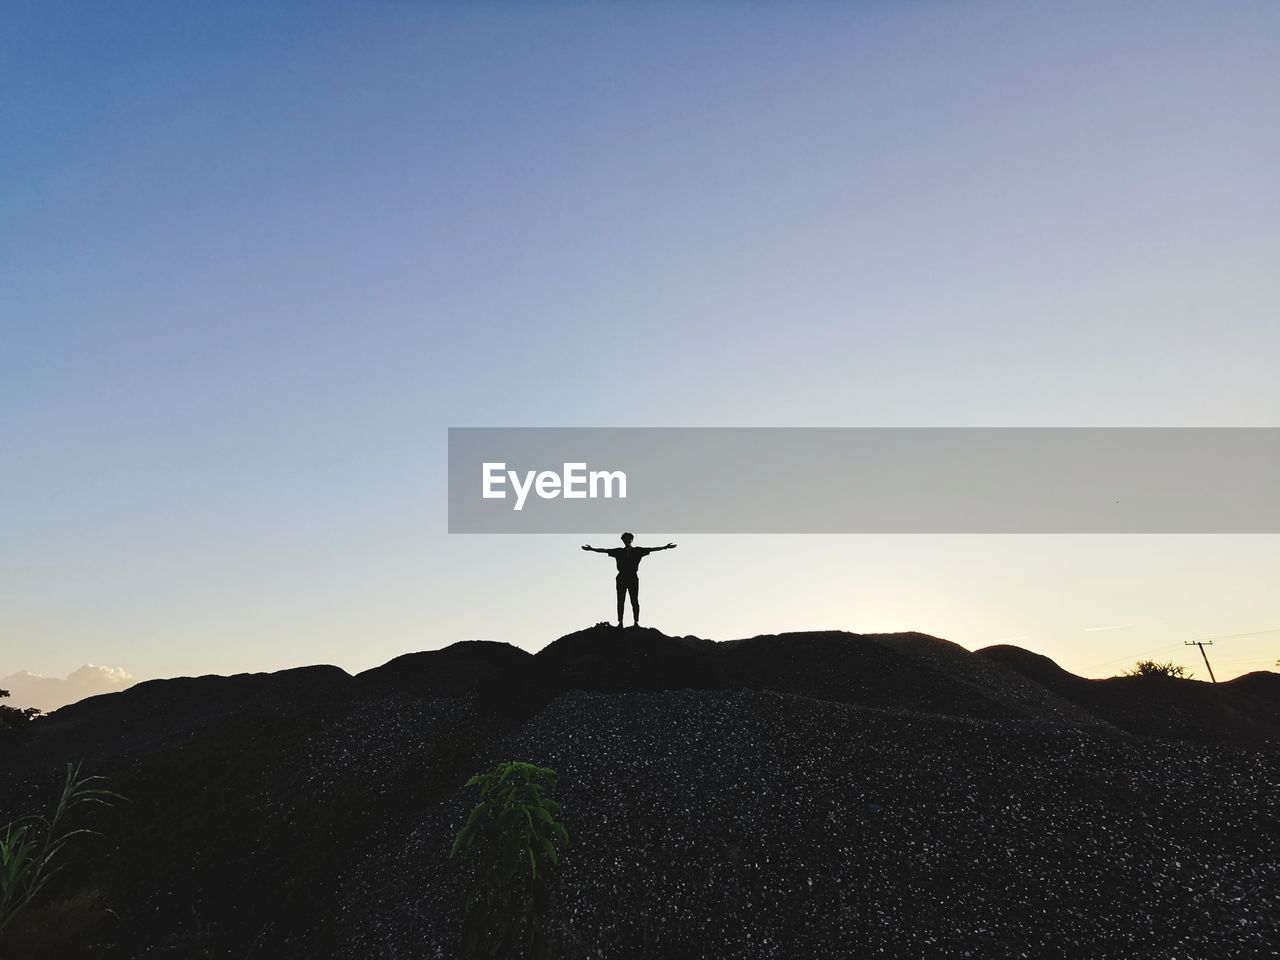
{"x": 627, "y": 538}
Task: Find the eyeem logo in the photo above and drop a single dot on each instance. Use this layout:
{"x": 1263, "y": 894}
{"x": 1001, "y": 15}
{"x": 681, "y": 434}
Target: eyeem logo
{"x": 574, "y": 483}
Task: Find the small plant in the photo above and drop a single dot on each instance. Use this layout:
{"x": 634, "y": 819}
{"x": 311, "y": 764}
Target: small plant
{"x": 31, "y": 846}
{"x": 1150, "y": 668}
{"x": 511, "y": 836}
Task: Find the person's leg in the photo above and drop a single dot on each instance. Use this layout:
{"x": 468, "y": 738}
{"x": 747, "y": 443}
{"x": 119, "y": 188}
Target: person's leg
{"x": 622, "y": 598}
{"x": 634, "y": 590}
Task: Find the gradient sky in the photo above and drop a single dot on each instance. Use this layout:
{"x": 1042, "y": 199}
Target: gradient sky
{"x": 256, "y": 258}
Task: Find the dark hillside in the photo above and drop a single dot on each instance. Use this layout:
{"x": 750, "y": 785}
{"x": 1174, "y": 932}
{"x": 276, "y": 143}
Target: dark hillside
{"x": 1034, "y": 666}
{"x": 852, "y": 668}
{"x": 602, "y": 658}
{"x": 1261, "y": 684}
{"x": 1008, "y": 687}
{"x": 1242, "y": 711}
{"x": 793, "y": 795}
{"x": 458, "y": 669}
{"x": 756, "y": 824}
{"x": 163, "y": 714}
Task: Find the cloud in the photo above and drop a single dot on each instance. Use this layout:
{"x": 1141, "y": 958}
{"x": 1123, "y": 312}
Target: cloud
{"x": 48, "y": 693}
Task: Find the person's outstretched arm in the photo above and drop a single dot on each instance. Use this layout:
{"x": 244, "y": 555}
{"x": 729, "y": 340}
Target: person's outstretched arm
{"x": 669, "y": 546}
{"x": 598, "y": 549}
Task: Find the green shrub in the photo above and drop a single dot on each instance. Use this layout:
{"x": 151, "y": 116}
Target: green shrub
{"x": 511, "y": 838}
{"x": 31, "y": 846}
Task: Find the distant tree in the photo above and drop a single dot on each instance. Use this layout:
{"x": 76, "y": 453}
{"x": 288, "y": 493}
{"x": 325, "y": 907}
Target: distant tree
{"x": 1150, "y": 668}
{"x": 11, "y": 718}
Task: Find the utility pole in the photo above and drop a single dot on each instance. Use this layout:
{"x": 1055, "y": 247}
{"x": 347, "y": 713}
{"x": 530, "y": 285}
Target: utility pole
{"x": 1201, "y": 644}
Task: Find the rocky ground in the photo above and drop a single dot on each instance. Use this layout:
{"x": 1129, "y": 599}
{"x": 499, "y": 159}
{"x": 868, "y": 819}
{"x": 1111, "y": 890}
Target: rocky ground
{"x": 799, "y": 795}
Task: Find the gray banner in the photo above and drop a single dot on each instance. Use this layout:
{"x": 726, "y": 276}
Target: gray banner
{"x": 864, "y": 480}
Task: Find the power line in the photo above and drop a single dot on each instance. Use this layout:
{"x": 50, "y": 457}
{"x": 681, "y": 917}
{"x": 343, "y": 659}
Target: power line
{"x": 1238, "y": 636}
{"x": 1167, "y": 646}
{"x": 1170, "y": 646}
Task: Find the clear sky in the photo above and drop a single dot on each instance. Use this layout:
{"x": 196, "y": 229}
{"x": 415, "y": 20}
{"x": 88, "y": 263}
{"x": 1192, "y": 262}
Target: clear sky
{"x": 256, "y": 258}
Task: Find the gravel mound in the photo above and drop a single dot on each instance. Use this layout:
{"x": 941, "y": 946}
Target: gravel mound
{"x": 816, "y": 794}
{"x": 1009, "y": 687}
{"x": 1245, "y": 710}
{"x": 763, "y": 825}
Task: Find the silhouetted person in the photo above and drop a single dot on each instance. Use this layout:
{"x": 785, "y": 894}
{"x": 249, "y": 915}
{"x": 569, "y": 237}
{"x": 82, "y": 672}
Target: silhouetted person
{"x": 628, "y": 580}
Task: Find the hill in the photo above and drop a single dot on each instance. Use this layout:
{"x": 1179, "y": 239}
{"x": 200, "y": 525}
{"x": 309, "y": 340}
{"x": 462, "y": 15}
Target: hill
{"x": 1243, "y": 710}
{"x": 801, "y": 794}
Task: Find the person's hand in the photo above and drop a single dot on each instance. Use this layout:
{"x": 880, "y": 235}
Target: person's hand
{"x": 585, "y": 547}
{"x": 671, "y": 546}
